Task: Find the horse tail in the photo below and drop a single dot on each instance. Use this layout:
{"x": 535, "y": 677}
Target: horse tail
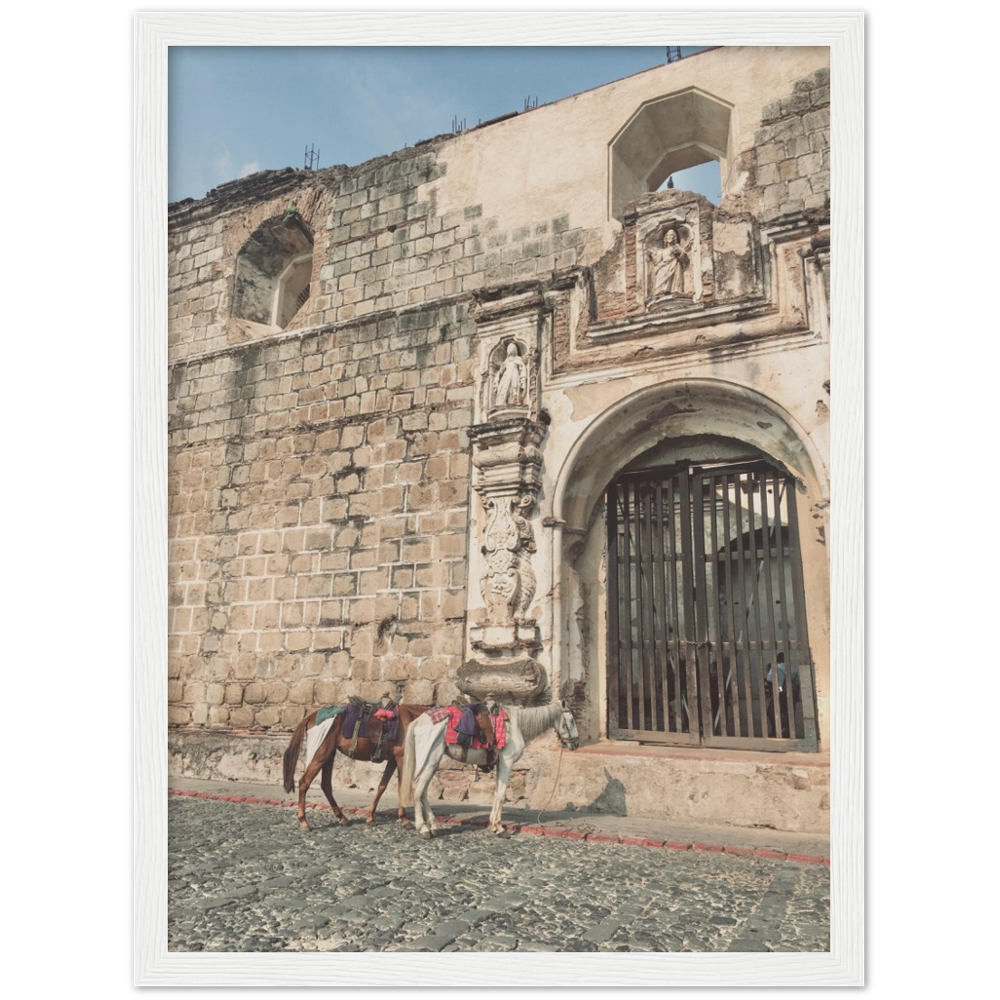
{"x": 291, "y": 757}
{"x": 409, "y": 766}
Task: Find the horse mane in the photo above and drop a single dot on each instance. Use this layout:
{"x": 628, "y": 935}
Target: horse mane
{"x": 534, "y": 721}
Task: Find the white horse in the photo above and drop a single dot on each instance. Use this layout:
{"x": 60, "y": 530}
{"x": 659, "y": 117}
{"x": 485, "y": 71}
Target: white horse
{"x": 425, "y": 747}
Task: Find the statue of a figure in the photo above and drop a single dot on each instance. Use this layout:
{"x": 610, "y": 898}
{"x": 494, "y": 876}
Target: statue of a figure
{"x": 511, "y": 382}
{"x": 668, "y": 267}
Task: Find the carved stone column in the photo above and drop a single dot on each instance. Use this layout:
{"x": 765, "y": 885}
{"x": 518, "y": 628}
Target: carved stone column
{"x": 504, "y": 639}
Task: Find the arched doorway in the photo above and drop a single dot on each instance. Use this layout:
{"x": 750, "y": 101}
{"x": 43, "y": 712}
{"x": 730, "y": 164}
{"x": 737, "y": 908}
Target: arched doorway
{"x": 706, "y": 627}
{"x": 693, "y": 576}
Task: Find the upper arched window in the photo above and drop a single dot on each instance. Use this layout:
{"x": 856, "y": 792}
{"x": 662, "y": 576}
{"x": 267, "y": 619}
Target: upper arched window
{"x": 273, "y": 271}
{"x": 664, "y": 137}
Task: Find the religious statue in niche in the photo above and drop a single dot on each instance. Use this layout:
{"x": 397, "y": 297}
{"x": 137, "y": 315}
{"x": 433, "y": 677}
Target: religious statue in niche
{"x": 508, "y": 584}
{"x": 510, "y": 381}
{"x": 669, "y": 266}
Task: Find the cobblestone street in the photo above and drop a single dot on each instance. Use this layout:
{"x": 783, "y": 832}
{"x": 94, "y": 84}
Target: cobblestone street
{"x": 244, "y": 877}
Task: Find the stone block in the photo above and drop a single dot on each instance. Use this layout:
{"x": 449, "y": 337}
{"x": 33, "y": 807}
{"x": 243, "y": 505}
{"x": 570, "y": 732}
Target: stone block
{"x": 277, "y": 691}
{"x": 241, "y": 717}
{"x": 814, "y": 121}
{"x": 218, "y": 716}
{"x": 788, "y": 170}
{"x": 255, "y": 693}
{"x": 301, "y": 692}
{"x": 298, "y": 641}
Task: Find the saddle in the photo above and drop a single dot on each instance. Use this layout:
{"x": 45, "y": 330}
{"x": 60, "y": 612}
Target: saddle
{"x": 475, "y": 725}
{"x": 376, "y": 721}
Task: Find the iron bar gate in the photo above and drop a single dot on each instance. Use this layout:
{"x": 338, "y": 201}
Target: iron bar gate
{"x": 707, "y": 641}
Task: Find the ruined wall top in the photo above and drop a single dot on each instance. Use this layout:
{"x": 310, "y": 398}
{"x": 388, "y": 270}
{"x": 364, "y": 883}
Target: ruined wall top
{"x": 526, "y": 197}
{"x": 584, "y": 146}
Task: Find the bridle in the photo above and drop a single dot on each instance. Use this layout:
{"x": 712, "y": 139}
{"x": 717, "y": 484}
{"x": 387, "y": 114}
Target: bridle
{"x": 567, "y": 741}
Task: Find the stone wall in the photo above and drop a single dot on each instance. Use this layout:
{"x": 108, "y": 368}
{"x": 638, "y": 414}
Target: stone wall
{"x": 792, "y": 148}
{"x": 319, "y": 490}
{"x": 379, "y": 247}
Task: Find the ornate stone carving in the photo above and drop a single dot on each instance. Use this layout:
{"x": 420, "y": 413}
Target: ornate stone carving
{"x": 506, "y": 456}
{"x": 508, "y": 584}
{"x": 507, "y": 459}
{"x": 518, "y": 681}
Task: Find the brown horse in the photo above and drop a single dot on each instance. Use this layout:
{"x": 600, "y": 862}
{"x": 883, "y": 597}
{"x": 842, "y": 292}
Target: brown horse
{"x": 361, "y": 750}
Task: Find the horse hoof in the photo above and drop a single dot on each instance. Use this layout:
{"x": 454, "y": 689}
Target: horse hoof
{"x": 370, "y": 820}
{"x": 303, "y": 825}
{"x": 344, "y": 821}
{"x": 406, "y": 823}
{"x": 426, "y": 834}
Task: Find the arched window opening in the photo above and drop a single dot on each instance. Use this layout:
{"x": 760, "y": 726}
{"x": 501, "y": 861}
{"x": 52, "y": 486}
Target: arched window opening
{"x": 273, "y": 271}
{"x": 663, "y": 138}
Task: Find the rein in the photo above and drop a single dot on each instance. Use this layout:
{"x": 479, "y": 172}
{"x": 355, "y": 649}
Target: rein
{"x": 555, "y": 783}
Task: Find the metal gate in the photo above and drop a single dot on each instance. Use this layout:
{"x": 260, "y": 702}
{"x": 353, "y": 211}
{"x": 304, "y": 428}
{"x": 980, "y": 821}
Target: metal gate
{"x": 707, "y": 640}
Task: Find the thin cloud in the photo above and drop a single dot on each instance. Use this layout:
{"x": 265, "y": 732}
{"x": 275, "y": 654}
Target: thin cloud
{"x": 223, "y": 166}
{"x": 225, "y": 169}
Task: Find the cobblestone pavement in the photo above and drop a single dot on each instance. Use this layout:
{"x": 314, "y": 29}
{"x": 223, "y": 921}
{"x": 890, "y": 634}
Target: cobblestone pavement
{"x": 244, "y": 877}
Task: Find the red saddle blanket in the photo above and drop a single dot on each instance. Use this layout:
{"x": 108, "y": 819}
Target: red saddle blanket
{"x": 454, "y": 715}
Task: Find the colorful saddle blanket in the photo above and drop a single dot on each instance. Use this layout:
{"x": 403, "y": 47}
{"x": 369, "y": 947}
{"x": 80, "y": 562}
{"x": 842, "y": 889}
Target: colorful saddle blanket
{"x": 328, "y": 713}
{"x": 462, "y": 722}
{"x": 389, "y": 717}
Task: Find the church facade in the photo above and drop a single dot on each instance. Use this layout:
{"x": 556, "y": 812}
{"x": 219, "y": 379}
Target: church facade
{"x": 503, "y": 416}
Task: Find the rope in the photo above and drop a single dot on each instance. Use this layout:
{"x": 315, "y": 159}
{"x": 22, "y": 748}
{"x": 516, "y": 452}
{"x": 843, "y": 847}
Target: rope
{"x": 555, "y": 783}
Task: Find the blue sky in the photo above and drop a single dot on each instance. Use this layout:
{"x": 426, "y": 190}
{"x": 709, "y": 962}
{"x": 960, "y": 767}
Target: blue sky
{"x": 235, "y": 110}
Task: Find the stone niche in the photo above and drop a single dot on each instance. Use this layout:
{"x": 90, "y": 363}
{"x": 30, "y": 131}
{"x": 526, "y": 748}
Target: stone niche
{"x": 669, "y": 243}
{"x": 683, "y": 256}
